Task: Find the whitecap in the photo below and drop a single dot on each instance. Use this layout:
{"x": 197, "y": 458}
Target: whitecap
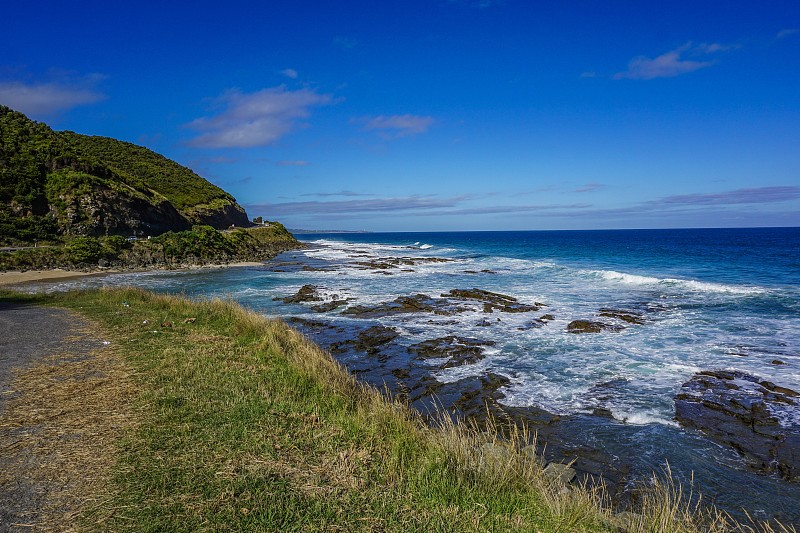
{"x": 685, "y": 284}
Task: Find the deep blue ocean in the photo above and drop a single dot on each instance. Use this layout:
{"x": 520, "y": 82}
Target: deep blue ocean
{"x": 709, "y": 298}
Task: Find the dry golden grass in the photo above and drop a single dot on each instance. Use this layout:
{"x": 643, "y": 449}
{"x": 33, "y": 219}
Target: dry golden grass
{"x": 60, "y": 434}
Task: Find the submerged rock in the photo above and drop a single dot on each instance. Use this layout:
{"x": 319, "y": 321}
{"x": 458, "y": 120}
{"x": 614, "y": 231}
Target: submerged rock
{"x": 387, "y": 263}
{"x": 631, "y": 317}
{"x": 757, "y": 418}
{"x": 419, "y": 303}
{"x": 461, "y": 351}
{"x": 590, "y": 326}
{"x": 493, "y": 301}
{"x": 368, "y": 340}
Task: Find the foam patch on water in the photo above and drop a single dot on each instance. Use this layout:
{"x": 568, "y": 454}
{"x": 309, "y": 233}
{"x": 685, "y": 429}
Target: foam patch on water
{"x": 643, "y": 418}
{"x": 690, "y": 285}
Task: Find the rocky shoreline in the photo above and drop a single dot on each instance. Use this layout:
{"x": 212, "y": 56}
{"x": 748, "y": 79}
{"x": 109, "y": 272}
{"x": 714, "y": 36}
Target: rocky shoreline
{"x": 378, "y": 353}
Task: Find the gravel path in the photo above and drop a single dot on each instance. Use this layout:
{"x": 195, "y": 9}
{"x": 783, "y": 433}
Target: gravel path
{"x": 33, "y": 337}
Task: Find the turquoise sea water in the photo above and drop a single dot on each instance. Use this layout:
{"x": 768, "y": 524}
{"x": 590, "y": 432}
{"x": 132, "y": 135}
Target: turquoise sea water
{"x": 710, "y": 299}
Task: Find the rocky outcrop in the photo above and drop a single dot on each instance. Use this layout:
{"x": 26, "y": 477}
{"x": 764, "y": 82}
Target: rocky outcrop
{"x": 386, "y": 263}
{"x": 759, "y": 419}
{"x": 105, "y": 211}
{"x": 310, "y": 293}
{"x": 591, "y": 326}
{"x": 459, "y": 350}
{"x": 220, "y": 217}
{"x": 418, "y": 303}
{"x": 493, "y": 301}
{"x": 368, "y": 341}
{"x": 631, "y": 317}
{"x": 450, "y": 303}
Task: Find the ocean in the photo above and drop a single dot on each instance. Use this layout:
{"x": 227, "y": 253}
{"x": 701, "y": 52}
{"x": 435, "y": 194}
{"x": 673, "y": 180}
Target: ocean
{"x": 672, "y": 303}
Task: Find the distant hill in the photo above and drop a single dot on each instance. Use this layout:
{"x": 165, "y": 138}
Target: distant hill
{"x": 59, "y": 184}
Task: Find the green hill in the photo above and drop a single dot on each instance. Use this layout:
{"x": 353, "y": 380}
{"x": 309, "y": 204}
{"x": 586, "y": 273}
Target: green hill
{"x": 60, "y": 184}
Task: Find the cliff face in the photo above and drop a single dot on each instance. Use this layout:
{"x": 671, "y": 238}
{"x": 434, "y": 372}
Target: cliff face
{"x": 56, "y": 184}
{"x": 104, "y": 211}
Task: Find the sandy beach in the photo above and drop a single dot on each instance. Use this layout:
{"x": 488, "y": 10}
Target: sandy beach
{"x": 17, "y": 277}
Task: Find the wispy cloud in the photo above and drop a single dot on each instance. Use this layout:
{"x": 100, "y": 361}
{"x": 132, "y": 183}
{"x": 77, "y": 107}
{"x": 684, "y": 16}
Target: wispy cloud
{"x": 589, "y": 187}
{"x": 787, "y": 33}
{"x": 255, "y": 119}
{"x": 340, "y": 193}
{"x": 758, "y": 195}
{"x": 397, "y": 125}
{"x": 415, "y": 205}
{"x": 292, "y": 163}
{"x": 290, "y": 73}
{"x": 375, "y": 205}
{"x": 682, "y": 60}
{"x": 50, "y": 97}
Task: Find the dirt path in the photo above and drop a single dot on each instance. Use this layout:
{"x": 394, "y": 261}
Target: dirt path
{"x": 63, "y": 398}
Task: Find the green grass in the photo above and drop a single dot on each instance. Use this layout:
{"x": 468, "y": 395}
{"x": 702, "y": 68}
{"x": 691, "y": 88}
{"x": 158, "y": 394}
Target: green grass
{"x": 245, "y": 425}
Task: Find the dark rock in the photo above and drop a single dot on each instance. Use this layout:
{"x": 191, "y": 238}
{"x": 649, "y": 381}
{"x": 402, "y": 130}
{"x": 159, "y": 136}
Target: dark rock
{"x": 368, "y": 341}
{"x": 536, "y": 323}
{"x": 777, "y": 362}
{"x": 493, "y": 301}
{"x": 759, "y": 419}
{"x": 547, "y": 318}
{"x": 307, "y": 268}
{"x": 401, "y": 373}
{"x": 307, "y": 293}
{"x": 631, "y": 317}
{"x": 394, "y": 262}
{"x": 589, "y": 326}
{"x": 328, "y": 306}
{"x": 603, "y": 412}
{"x": 419, "y": 303}
{"x": 312, "y": 325}
{"x": 461, "y": 351}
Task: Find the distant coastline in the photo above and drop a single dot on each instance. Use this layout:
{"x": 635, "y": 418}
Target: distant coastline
{"x": 296, "y": 231}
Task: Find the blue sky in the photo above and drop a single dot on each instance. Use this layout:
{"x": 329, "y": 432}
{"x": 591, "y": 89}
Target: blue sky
{"x": 438, "y": 114}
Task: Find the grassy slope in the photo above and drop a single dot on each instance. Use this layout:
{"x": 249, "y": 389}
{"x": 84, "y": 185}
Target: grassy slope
{"x": 144, "y": 169}
{"x": 246, "y": 425}
{"x": 39, "y": 166}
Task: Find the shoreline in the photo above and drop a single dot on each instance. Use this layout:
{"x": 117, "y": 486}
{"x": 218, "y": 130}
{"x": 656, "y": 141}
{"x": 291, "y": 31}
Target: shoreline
{"x": 20, "y": 277}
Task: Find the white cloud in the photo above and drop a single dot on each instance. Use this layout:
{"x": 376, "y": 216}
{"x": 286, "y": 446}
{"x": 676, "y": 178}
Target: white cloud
{"x": 47, "y": 98}
{"x": 255, "y": 119}
{"x": 399, "y": 125}
{"x": 672, "y": 63}
{"x": 787, "y": 33}
{"x": 290, "y": 73}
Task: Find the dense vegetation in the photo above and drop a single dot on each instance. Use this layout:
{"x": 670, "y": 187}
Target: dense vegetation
{"x": 145, "y": 169}
{"x": 199, "y": 246}
{"x": 57, "y": 184}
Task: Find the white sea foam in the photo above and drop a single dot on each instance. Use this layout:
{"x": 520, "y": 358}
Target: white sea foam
{"x": 643, "y": 418}
{"x": 691, "y": 285}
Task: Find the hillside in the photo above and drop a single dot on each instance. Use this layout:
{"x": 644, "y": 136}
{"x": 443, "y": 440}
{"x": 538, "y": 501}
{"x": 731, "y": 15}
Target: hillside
{"x": 64, "y": 184}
